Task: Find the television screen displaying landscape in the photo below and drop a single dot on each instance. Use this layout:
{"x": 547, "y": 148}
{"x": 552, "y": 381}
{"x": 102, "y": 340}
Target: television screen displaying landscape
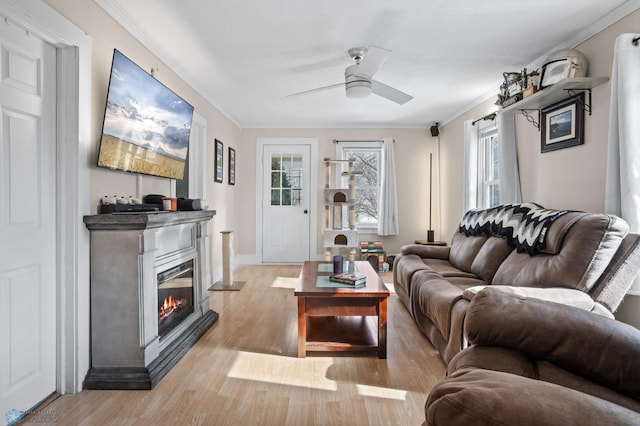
{"x": 146, "y": 125}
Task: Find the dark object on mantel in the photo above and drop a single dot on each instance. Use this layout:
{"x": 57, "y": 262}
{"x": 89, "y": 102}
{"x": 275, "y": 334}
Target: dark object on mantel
{"x": 153, "y": 199}
{"x": 119, "y": 208}
{"x": 191, "y": 204}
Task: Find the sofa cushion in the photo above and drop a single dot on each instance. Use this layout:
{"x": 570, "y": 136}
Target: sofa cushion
{"x": 480, "y": 397}
{"x": 434, "y": 297}
{"x": 404, "y": 268}
{"x": 565, "y": 296}
{"x": 464, "y": 250}
{"x": 446, "y": 269}
{"x": 586, "y": 252}
{"x": 600, "y": 349}
{"x": 557, "y": 231}
{"x": 491, "y": 255}
{"x": 515, "y": 362}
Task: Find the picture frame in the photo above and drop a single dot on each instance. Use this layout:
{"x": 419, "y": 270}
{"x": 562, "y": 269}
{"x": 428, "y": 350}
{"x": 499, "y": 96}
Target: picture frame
{"x": 562, "y": 124}
{"x": 554, "y": 72}
{"x": 219, "y": 161}
{"x": 232, "y": 166}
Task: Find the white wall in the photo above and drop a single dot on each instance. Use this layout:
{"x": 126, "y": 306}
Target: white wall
{"x": 571, "y": 178}
{"x": 107, "y": 35}
{"x": 412, "y": 148}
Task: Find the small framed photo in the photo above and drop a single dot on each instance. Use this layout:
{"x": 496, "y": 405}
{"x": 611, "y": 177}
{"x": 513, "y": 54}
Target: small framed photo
{"x": 562, "y": 124}
{"x": 219, "y": 161}
{"x": 554, "y": 72}
{"x": 232, "y": 166}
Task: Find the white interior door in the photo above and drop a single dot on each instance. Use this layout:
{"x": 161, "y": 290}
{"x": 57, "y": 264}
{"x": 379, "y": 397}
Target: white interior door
{"x": 286, "y": 225}
{"x": 28, "y": 302}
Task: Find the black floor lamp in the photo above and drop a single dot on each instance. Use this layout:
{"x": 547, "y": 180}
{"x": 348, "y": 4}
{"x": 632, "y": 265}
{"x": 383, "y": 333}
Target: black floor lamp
{"x": 430, "y": 233}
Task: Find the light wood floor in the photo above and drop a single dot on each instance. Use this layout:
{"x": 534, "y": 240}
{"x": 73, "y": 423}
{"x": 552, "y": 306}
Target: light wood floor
{"x": 245, "y": 371}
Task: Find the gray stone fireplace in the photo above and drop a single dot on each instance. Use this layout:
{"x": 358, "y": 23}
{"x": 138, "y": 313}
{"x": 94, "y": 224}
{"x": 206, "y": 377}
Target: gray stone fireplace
{"x": 149, "y": 299}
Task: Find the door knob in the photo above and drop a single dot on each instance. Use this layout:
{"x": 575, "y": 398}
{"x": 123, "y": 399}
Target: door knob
{"x": 306, "y": 211}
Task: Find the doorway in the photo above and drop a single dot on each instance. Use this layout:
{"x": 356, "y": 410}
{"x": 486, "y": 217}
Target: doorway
{"x": 28, "y": 223}
{"x": 68, "y": 312}
{"x": 286, "y": 199}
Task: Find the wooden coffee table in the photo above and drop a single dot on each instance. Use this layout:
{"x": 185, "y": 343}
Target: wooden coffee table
{"x": 340, "y": 318}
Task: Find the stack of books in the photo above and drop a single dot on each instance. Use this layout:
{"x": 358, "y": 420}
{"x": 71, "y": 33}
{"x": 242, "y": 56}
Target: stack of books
{"x": 351, "y": 278}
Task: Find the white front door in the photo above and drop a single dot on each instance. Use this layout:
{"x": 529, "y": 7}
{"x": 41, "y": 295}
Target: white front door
{"x": 28, "y": 302}
{"x": 286, "y": 224}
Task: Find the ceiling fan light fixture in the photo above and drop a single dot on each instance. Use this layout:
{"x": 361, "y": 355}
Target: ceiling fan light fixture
{"x": 358, "y": 90}
{"x": 356, "y": 86}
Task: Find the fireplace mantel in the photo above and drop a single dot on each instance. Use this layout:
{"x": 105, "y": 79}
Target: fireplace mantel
{"x": 128, "y": 251}
{"x": 144, "y": 220}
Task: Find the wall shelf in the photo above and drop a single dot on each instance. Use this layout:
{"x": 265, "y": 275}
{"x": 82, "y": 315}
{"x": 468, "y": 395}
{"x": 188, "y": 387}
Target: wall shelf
{"x": 553, "y": 94}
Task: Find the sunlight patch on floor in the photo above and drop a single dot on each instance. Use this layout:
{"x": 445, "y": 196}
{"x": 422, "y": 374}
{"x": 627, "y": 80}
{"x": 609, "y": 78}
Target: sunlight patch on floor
{"x": 284, "y": 282}
{"x": 378, "y": 392}
{"x": 281, "y": 370}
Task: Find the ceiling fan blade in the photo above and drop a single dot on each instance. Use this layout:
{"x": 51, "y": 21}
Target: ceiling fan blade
{"x": 319, "y": 89}
{"x": 373, "y": 60}
{"x": 389, "y": 92}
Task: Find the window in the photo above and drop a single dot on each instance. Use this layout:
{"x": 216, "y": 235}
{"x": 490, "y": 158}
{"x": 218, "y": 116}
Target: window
{"x": 368, "y": 168}
{"x": 488, "y": 167}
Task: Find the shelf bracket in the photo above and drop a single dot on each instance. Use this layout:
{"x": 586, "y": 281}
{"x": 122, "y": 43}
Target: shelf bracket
{"x": 530, "y": 118}
{"x": 585, "y": 105}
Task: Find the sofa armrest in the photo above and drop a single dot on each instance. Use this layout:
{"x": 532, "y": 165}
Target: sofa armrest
{"x": 566, "y": 296}
{"x": 600, "y": 349}
{"x": 430, "y": 252}
{"x": 481, "y": 397}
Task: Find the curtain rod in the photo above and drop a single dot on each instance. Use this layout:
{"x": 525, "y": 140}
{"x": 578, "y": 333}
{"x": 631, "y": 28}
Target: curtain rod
{"x": 360, "y": 140}
{"x": 486, "y": 117}
{"x": 635, "y": 41}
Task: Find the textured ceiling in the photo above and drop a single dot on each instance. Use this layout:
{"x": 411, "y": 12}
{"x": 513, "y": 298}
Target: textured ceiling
{"x": 246, "y": 56}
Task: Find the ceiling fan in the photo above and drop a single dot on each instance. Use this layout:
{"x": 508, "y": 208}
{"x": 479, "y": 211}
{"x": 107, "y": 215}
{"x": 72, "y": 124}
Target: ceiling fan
{"x": 359, "y": 82}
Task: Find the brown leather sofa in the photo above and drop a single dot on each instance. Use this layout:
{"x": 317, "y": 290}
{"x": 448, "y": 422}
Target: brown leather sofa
{"x": 534, "y": 362}
{"x": 586, "y": 260}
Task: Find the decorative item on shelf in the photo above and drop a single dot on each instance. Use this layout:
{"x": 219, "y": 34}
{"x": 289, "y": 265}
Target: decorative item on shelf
{"x": 170, "y": 204}
{"x": 533, "y": 79}
{"x": 562, "y": 64}
{"x": 512, "y": 87}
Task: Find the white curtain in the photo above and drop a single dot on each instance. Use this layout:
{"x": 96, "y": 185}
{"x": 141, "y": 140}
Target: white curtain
{"x": 388, "y": 217}
{"x": 622, "y": 195}
{"x": 470, "y": 172}
{"x": 509, "y": 175}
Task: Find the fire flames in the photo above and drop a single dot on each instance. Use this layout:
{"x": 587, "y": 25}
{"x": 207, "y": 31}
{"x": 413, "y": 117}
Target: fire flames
{"x": 169, "y": 306}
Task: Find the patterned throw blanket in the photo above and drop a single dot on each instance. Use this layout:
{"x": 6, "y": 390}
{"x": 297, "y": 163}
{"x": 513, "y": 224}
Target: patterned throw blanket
{"x": 523, "y": 225}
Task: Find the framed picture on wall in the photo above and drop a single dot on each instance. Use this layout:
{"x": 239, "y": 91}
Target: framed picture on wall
{"x": 219, "y": 161}
{"x": 232, "y": 166}
{"x": 562, "y": 124}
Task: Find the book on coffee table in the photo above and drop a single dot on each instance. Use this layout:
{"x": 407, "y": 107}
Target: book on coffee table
{"x": 352, "y": 278}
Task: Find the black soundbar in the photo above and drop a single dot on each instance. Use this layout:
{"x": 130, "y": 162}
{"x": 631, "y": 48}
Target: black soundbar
{"x": 120, "y": 208}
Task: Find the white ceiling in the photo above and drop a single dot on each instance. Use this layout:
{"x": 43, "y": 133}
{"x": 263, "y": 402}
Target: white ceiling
{"x": 246, "y": 56}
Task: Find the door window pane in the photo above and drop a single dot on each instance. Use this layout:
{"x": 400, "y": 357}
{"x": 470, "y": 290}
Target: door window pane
{"x": 286, "y": 180}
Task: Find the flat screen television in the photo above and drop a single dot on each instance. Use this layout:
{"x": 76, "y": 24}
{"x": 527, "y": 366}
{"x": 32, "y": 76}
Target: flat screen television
{"x": 146, "y": 125}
